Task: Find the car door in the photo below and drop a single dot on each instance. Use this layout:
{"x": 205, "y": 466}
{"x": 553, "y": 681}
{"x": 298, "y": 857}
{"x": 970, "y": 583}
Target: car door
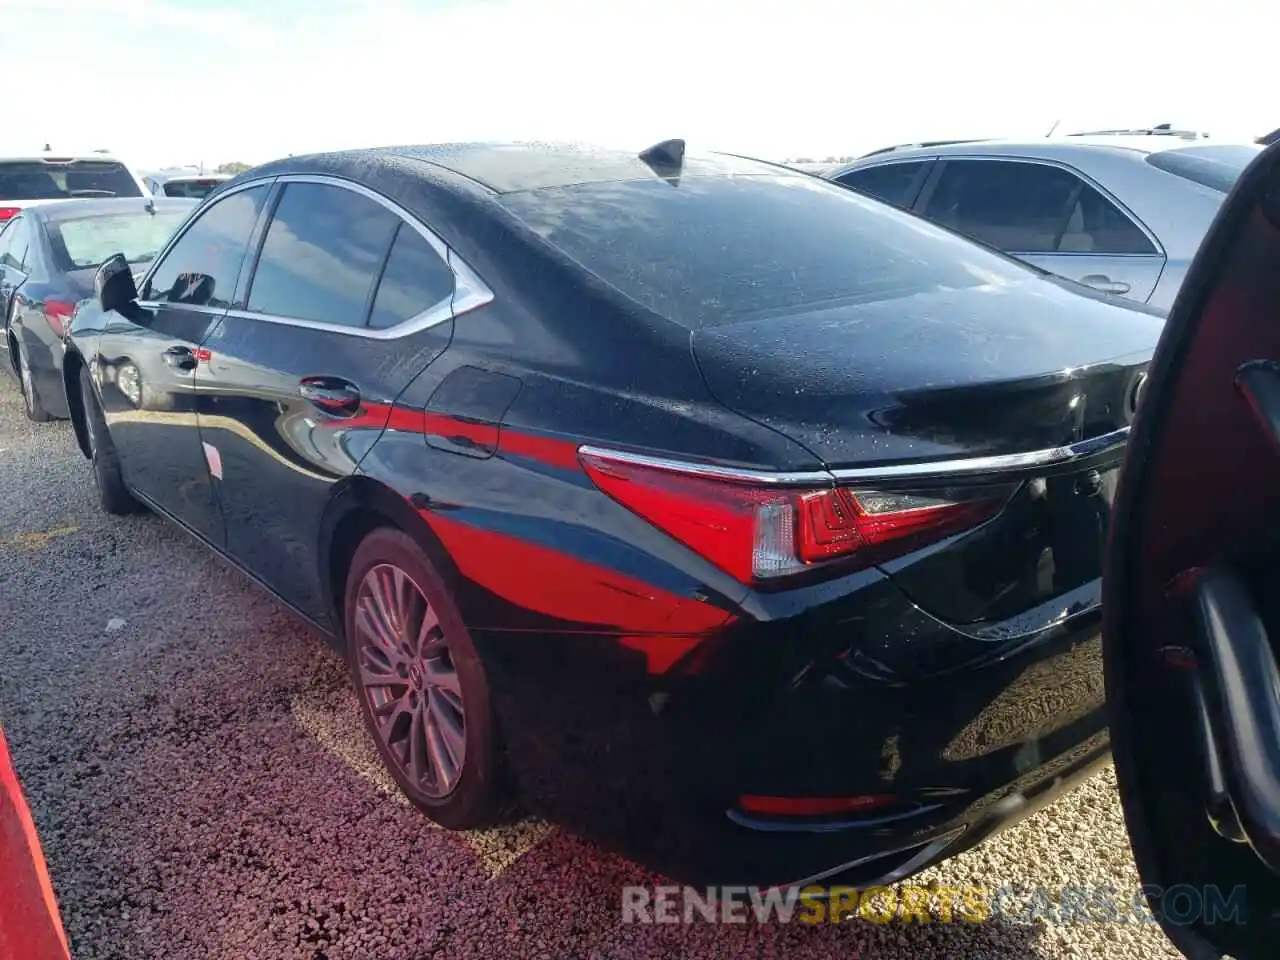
{"x": 1047, "y": 215}
{"x": 1191, "y": 610}
{"x": 895, "y": 181}
{"x": 145, "y": 363}
{"x": 349, "y": 299}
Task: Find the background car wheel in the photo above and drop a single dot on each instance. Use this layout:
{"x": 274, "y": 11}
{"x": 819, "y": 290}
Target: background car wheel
{"x": 30, "y": 396}
{"x": 112, "y": 492}
{"x": 422, "y": 689}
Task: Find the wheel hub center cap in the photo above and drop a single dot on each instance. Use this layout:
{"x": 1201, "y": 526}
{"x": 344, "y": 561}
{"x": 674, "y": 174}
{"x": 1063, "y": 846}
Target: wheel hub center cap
{"x": 417, "y": 676}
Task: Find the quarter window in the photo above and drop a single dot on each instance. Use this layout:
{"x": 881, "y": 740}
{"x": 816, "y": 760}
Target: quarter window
{"x": 322, "y": 255}
{"x": 415, "y": 279}
{"x": 15, "y": 244}
{"x": 202, "y": 268}
{"x": 1096, "y": 225}
{"x": 896, "y": 183}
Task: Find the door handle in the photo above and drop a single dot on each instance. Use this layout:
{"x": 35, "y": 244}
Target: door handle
{"x": 1104, "y": 284}
{"x": 334, "y": 396}
{"x": 180, "y": 358}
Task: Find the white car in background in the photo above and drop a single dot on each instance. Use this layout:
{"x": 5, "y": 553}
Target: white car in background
{"x": 184, "y": 183}
{"x": 48, "y": 176}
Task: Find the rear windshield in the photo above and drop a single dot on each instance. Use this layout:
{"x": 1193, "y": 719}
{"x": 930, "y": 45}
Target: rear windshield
{"x": 708, "y": 250}
{"x": 87, "y": 241}
{"x": 53, "y": 180}
{"x": 1216, "y": 167}
{"x": 193, "y": 189}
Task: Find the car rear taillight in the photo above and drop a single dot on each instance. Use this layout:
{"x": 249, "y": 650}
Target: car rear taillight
{"x": 759, "y": 531}
{"x": 58, "y": 315}
{"x": 8, "y": 213}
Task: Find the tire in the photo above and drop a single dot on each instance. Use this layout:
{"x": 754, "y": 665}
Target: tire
{"x": 112, "y": 492}
{"x": 30, "y": 396}
{"x": 423, "y": 693}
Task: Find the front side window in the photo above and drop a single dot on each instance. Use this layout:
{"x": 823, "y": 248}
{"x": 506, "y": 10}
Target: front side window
{"x": 1012, "y": 206}
{"x": 202, "y": 268}
{"x": 322, "y": 255}
{"x": 896, "y": 183}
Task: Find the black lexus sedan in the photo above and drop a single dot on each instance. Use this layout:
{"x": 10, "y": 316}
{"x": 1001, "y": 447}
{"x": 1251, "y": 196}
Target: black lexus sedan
{"x": 746, "y": 525}
{"x": 48, "y": 255}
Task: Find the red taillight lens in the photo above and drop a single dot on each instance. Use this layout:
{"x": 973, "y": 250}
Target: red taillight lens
{"x": 758, "y": 532}
{"x": 8, "y": 213}
{"x": 58, "y": 314}
{"x": 813, "y": 806}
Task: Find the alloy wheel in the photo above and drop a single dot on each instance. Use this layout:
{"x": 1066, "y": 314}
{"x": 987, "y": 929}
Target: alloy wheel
{"x": 408, "y": 679}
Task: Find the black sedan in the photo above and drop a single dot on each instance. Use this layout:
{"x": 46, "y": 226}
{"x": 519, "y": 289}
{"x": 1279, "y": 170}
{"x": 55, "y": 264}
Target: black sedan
{"x": 745, "y": 524}
{"x": 48, "y": 255}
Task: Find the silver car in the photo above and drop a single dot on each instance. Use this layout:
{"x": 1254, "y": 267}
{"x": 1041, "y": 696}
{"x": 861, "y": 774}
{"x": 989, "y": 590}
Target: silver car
{"x": 1123, "y": 214}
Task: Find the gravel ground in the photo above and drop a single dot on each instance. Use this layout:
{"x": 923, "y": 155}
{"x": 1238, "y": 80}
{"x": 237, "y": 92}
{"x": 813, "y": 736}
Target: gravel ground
{"x": 195, "y": 765}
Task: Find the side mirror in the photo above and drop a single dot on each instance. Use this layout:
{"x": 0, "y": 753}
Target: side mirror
{"x": 114, "y": 285}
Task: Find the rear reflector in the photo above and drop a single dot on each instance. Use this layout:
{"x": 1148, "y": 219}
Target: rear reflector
{"x": 57, "y": 313}
{"x": 757, "y": 532}
{"x": 813, "y": 806}
{"x": 8, "y": 213}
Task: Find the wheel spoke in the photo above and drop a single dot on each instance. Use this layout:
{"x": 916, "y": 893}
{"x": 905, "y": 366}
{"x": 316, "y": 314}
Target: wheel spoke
{"x": 442, "y": 675}
{"x": 441, "y": 762}
{"x": 371, "y": 621}
{"x": 418, "y": 762}
{"x": 450, "y": 722}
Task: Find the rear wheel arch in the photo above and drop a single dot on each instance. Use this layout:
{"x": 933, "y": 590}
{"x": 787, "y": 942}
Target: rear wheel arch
{"x": 359, "y": 507}
{"x": 72, "y": 363}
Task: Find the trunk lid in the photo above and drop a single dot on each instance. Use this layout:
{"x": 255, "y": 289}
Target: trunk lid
{"x": 953, "y": 375}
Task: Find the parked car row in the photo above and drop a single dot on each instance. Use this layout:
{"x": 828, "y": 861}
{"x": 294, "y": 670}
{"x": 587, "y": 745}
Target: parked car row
{"x": 743, "y": 522}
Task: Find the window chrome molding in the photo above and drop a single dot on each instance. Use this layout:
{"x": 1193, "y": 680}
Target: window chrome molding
{"x": 470, "y": 292}
{"x": 920, "y": 469}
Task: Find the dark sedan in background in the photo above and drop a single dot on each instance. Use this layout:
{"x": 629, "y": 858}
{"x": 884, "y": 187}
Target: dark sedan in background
{"x": 745, "y": 524}
{"x": 48, "y": 255}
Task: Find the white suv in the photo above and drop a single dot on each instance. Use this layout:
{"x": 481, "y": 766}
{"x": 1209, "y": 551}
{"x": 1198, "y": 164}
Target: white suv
{"x": 48, "y": 176}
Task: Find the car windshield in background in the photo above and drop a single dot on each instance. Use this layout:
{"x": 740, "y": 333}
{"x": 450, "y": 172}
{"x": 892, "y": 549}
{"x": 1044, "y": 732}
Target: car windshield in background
{"x": 44, "y": 180}
{"x": 89, "y": 241}
{"x": 710, "y": 250}
{"x": 1216, "y": 167}
{"x": 191, "y": 189}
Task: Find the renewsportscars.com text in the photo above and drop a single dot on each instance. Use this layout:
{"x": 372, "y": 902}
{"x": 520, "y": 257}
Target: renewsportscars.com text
{"x": 932, "y": 904}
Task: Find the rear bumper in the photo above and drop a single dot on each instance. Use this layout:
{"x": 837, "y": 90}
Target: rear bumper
{"x": 653, "y": 766}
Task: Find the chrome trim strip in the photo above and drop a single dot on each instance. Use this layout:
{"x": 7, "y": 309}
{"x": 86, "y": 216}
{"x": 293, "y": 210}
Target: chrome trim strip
{"x": 469, "y": 291}
{"x": 928, "y": 851}
{"x": 924, "y": 469}
{"x": 711, "y": 471}
{"x": 1000, "y": 463}
{"x": 828, "y": 826}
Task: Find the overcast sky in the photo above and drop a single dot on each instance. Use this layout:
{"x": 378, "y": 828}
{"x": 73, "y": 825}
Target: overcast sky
{"x": 182, "y": 81}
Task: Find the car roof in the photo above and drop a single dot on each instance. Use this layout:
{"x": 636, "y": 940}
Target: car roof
{"x": 1048, "y": 147}
{"x": 60, "y": 157}
{"x": 168, "y": 176}
{"x": 74, "y": 208}
{"x": 511, "y": 167}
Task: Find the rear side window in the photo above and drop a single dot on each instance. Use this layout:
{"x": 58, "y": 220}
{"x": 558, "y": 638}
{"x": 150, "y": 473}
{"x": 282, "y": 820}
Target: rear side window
{"x": 896, "y": 183}
{"x": 15, "y": 243}
{"x": 1215, "y": 167}
{"x": 322, "y": 255}
{"x": 415, "y": 279}
{"x": 710, "y": 250}
{"x": 59, "y": 180}
{"x": 202, "y": 268}
{"x": 1017, "y": 207}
